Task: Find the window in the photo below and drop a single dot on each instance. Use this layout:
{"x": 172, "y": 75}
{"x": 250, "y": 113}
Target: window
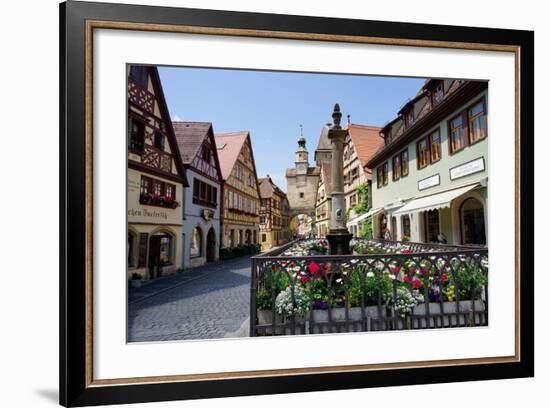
{"x": 423, "y": 153}
{"x": 170, "y": 191}
{"x": 262, "y": 219}
{"x": 206, "y": 154}
{"x": 195, "y": 249}
{"x": 159, "y": 141}
{"x": 239, "y": 172}
{"x": 406, "y": 226}
{"x": 158, "y": 187}
{"x": 137, "y": 136}
{"x": 404, "y": 163}
{"x": 431, "y": 225}
{"x": 437, "y": 93}
{"x": 165, "y": 246}
{"x": 382, "y": 175}
{"x": 264, "y": 237}
{"x": 302, "y": 195}
{"x": 145, "y": 187}
{"x": 205, "y": 194}
{"x": 456, "y": 132}
{"x": 396, "y": 167}
{"x": 139, "y": 75}
{"x": 435, "y": 147}
{"x": 251, "y": 179}
{"x": 477, "y": 122}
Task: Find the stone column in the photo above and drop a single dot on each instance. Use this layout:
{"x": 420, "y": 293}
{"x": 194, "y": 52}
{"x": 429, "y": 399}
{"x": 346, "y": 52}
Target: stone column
{"x": 339, "y": 236}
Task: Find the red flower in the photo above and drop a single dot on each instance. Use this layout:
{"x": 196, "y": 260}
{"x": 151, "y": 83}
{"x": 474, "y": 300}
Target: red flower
{"x": 406, "y": 278}
{"x": 313, "y": 268}
{"x": 416, "y": 283}
{"x": 406, "y": 251}
{"x": 303, "y": 278}
{"x": 394, "y": 269}
{"x": 444, "y": 277}
{"x": 424, "y": 270}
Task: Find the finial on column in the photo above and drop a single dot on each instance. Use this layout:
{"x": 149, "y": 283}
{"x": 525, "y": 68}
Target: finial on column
{"x": 336, "y": 116}
{"x": 301, "y": 130}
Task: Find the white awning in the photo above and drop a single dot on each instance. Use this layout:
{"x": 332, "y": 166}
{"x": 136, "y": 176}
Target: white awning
{"x": 435, "y": 201}
{"x": 363, "y": 217}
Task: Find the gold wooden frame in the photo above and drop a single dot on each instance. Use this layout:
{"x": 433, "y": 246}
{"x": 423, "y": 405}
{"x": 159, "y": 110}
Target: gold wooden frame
{"x": 99, "y": 24}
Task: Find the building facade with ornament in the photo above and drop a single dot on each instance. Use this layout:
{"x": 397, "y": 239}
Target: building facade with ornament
{"x": 361, "y": 143}
{"x": 201, "y": 217}
{"x": 156, "y": 180}
{"x": 240, "y": 219}
{"x": 323, "y": 207}
{"x": 274, "y": 220}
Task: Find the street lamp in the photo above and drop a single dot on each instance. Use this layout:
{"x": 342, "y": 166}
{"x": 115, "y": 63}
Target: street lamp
{"x": 339, "y": 236}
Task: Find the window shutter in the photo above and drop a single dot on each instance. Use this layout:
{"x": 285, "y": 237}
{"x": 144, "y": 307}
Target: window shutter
{"x": 142, "y": 250}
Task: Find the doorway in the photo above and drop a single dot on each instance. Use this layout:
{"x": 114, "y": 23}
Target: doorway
{"x": 472, "y": 222}
{"x": 211, "y": 246}
{"x": 159, "y": 253}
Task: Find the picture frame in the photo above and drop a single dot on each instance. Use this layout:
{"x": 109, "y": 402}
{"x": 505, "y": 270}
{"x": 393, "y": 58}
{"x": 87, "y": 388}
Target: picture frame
{"x": 78, "y": 20}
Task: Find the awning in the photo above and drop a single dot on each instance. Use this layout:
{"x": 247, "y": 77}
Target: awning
{"x": 363, "y": 217}
{"x": 435, "y": 201}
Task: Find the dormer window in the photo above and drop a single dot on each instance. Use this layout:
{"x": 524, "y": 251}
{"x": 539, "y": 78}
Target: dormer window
{"x": 437, "y": 93}
{"x": 387, "y": 136}
{"x": 409, "y": 118}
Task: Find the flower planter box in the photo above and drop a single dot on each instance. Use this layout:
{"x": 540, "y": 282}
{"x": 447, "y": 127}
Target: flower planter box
{"x": 320, "y": 321}
{"x": 466, "y": 316}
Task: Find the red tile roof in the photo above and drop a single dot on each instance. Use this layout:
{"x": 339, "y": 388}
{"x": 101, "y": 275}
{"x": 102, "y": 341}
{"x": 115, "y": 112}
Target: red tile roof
{"x": 268, "y": 188}
{"x": 189, "y": 136}
{"x": 229, "y": 146}
{"x": 367, "y": 141}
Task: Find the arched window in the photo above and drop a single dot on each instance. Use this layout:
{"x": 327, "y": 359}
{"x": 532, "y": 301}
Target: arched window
{"x": 195, "y": 250}
{"x": 472, "y": 222}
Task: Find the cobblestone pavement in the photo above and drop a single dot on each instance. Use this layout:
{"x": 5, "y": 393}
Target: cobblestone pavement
{"x": 205, "y": 303}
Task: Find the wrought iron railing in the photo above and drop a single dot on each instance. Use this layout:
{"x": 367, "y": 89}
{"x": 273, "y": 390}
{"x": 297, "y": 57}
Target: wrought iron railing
{"x": 443, "y": 286}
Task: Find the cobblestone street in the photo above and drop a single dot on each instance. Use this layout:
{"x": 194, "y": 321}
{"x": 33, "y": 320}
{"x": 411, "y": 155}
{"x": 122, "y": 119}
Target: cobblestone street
{"x": 204, "y": 303}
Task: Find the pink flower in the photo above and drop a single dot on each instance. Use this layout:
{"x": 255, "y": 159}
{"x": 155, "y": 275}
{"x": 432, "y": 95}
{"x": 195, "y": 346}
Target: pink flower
{"x": 416, "y": 283}
{"x": 394, "y": 269}
{"x": 313, "y": 268}
{"x": 406, "y": 278}
{"x": 406, "y": 251}
{"x": 303, "y": 278}
{"x": 424, "y": 270}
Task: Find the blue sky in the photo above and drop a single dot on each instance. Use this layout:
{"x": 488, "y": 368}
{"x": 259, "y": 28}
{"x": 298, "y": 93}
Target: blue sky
{"x": 273, "y": 105}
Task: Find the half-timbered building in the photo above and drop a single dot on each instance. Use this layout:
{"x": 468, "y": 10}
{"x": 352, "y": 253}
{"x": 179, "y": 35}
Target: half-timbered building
{"x": 156, "y": 180}
{"x": 274, "y": 222}
{"x": 241, "y": 195}
{"x": 201, "y": 228}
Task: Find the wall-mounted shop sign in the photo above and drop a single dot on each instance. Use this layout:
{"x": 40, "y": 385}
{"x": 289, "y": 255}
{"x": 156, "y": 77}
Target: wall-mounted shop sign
{"x": 428, "y": 182}
{"x": 471, "y": 167}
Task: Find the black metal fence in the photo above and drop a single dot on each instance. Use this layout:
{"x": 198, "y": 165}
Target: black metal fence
{"x": 390, "y": 286}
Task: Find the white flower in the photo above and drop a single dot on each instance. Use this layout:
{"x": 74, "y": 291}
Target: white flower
{"x": 370, "y": 274}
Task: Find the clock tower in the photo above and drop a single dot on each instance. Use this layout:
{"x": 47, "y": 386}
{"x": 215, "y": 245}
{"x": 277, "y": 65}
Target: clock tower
{"x": 302, "y": 158}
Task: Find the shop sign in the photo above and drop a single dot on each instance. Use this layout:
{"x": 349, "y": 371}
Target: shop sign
{"x": 471, "y": 167}
{"x": 428, "y": 182}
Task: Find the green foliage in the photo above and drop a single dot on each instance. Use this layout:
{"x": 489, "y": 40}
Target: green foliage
{"x": 373, "y": 282}
{"x": 241, "y": 250}
{"x": 470, "y": 280}
{"x": 363, "y": 205}
{"x": 264, "y": 300}
{"x": 366, "y": 229}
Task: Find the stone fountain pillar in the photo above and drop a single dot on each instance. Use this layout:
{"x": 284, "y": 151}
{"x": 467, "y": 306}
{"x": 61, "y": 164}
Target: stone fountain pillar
{"x": 338, "y": 237}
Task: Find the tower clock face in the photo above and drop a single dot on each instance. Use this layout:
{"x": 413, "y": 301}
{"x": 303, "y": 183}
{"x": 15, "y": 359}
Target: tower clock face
{"x": 301, "y": 167}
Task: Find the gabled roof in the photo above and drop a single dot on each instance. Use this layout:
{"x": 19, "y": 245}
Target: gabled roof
{"x": 190, "y": 136}
{"x": 229, "y": 146}
{"x": 165, "y": 115}
{"x": 268, "y": 188}
{"x": 367, "y": 141}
